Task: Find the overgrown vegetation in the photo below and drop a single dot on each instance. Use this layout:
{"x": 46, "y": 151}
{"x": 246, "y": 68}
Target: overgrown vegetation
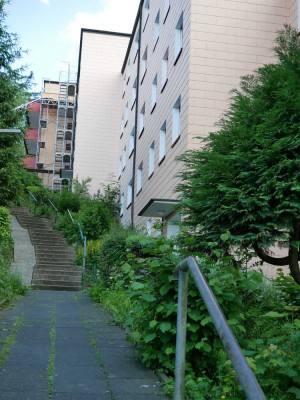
{"x": 10, "y": 285}
{"x": 244, "y": 183}
{"x": 14, "y": 84}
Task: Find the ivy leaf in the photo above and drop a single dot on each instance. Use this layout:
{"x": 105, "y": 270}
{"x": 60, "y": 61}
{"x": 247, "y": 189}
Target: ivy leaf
{"x": 148, "y": 338}
{"x": 165, "y": 326}
{"x": 274, "y": 314}
{"x": 153, "y": 323}
{"x": 137, "y": 285}
{"x": 206, "y": 320}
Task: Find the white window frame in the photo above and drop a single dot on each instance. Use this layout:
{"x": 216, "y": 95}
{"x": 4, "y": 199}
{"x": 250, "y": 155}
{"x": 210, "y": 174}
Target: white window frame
{"x": 131, "y": 141}
{"x": 136, "y": 43}
{"x": 144, "y": 63}
{"x": 124, "y": 158}
{"x": 166, "y": 8}
{"x": 151, "y": 159}
{"x": 146, "y": 11}
{"x": 164, "y": 69}
{"x": 129, "y": 193}
{"x": 120, "y": 166}
{"x": 178, "y": 38}
{"x": 154, "y": 93}
{"x": 139, "y": 178}
{"x": 176, "y": 120}
{"x": 122, "y": 204}
{"x": 133, "y": 93}
{"x": 162, "y": 141}
{"x": 156, "y": 29}
{"x": 142, "y": 120}
{"x": 128, "y": 71}
{"x": 122, "y": 125}
{"x": 126, "y": 114}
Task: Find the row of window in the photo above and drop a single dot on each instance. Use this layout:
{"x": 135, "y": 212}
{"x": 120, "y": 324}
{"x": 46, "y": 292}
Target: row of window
{"x": 151, "y": 155}
{"x": 162, "y": 141}
{"x": 177, "y": 48}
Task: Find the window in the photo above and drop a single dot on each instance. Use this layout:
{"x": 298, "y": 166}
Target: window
{"x": 153, "y": 93}
{"x": 142, "y": 120}
{"x": 146, "y": 13}
{"x": 162, "y": 142}
{"x": 131, "y": 141}
{"x": 120, "y": 166}
{"x": 129, "y": 193}
{"x": 122, "y": 125}
{"x": 149, "y": 226}
{"x": 139, "y": 178}
{"x": 124, "y": 158}
{"x": 144, "y": 64}
{"x": 126, "y": 114}
{"x": 164, "y": 70}
{"x": 156, "y": 30}
{"x": 176, "y": 120}
{"x": 178, "y": 38}
{"x": 122, "y": 204}
{"x": 133, "y": 94}
{"x": 124, "y": 85}
{"x": 166, "y": 8}
{"x": 151, "y": 160}
{"x": 136, "y": 43}
{"x": 128, "y": 71}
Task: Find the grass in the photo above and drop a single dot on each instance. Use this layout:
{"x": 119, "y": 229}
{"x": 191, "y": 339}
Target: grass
{"x": 10, "y": 341}
{"x": 51, "y": 365}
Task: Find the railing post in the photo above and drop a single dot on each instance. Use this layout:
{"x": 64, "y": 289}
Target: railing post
{"x": 84, "y": 254}
{"x": 181, "y": 335}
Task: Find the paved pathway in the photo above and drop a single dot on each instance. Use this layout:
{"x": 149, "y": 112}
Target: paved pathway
{"x": 61, "y": 346}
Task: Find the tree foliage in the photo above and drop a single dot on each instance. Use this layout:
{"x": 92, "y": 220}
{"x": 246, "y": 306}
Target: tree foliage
{"x": 14, "y": 83}
{"x": 243, "y": 186}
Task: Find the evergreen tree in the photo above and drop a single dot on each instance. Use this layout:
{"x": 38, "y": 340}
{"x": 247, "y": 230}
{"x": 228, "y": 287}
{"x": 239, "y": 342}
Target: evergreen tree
{"x": 242, "y": 188}
{"x": 14, "y": 83}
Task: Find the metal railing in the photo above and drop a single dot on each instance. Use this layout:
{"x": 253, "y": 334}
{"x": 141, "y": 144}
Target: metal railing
{"x": 244, "y": 373}
{"x": 83, "y": 238}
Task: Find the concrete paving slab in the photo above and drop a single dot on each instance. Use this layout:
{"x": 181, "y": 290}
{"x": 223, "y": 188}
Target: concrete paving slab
{"x": 21, "y": 395}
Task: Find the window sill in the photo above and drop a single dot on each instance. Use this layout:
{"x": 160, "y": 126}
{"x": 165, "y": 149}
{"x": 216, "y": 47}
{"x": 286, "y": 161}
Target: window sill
{"x": 142, "y": 131}
{"x": 178, "y": 56}
{"x": 153, "y": 108}
{"x": 126, "y": 124}
{"x": 143, "y": 77}
{"x": 123, "y": 169}
{"x": 139, "y": 192}
{"x": 164, "y": 85}
{"x": 150, "y": 176}
{"x": 121, "y": 135}
{"x": 131, "y": 153}
{"x": 161, "y": 160}
{"x": 135, "y": 56}
{"x": 133, "y": 104}
{"x": 121, "y": 215}
{"x": 123, "y": 94}
{"x": 146, "y": 22}
{"x": 128, "y": 81}
{"x": 129, "y": 205}
{"x": 176, "y": 140}
{"x": 167, "y": 13}
{"x": 155, "y": 44}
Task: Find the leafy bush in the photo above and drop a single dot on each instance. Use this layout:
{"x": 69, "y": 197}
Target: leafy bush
{"x": 264, "y": 316}
{"x": 67, "y": 200}
{"x": 92, "y": 254}
{"x": 95, "y": 219}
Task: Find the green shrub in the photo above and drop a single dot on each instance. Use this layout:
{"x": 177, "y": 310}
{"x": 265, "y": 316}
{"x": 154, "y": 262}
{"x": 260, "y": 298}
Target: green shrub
{"x": 95, "y": 219}
{"x": 67, "y": 200}
{"x": 264, "y": 316}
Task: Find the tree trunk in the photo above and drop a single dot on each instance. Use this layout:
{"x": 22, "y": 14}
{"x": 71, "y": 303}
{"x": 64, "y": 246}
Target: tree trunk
{"x": 293, "y": 253}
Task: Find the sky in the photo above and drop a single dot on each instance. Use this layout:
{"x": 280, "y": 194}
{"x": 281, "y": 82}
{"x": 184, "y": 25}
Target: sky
{"x": 50, "y": 30}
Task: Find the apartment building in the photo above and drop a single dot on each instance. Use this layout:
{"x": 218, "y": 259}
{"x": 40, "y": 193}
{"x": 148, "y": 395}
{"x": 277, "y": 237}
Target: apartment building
{"x": 145, "y": 98}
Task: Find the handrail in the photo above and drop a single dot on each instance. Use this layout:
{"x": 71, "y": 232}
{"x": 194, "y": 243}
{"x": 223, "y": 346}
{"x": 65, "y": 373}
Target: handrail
{"x": 83, "y": 238}
{"x": 55, "y": 208}
{"x": 33, "y": 196}
{"x": 244, "y": 373}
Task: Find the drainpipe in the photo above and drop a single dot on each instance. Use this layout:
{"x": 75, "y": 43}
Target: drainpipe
{"x": 136, "y": 112}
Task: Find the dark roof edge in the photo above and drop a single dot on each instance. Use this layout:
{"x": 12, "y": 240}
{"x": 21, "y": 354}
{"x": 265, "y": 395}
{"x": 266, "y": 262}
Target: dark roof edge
{"x": 100, "y": 32}
{"x": 132, "y": 35}
{"x": 151, "y": 201}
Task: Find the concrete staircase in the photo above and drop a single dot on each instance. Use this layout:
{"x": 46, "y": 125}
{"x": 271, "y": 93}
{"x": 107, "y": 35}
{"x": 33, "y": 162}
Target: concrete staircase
{"x": 55, "y": 268}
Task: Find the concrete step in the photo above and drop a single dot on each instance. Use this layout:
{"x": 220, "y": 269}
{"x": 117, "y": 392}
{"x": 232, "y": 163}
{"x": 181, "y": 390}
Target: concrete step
{"x": 37, "y": 277}
{"x": 50, "y": 251}
{"x": 60, "y": 286}
{"x": 41, "y": 273}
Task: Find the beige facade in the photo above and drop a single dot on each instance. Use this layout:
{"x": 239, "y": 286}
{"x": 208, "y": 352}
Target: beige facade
{"x": 99, "y": 106}
{"x": 183, "y": 59}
